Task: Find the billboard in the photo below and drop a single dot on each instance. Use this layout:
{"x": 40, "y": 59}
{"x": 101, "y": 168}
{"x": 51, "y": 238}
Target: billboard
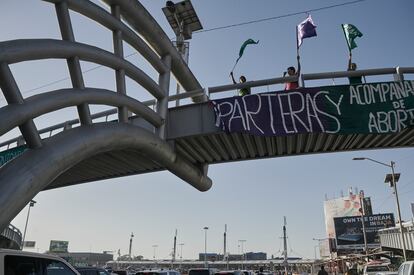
{"x": 349, "y": 233}
{"x": 58, "y": 246}
{"x": 340, "y": 207}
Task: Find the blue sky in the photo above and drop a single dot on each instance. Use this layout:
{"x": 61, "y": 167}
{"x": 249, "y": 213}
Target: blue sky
{"x": 251, "y": 197}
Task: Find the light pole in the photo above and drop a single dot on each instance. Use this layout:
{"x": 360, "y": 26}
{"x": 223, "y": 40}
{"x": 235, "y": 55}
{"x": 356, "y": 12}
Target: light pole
{"x": 130, "y": 246}
{"x": 205, "y": 246}
{"x": 361, "y": 204}
{"x": 181, "y": 254}
{"x": 242, "y": 251}
{"x": 155, "y": 248}
{"x": 392, "y": 179}
{"x": 31, "y": 204}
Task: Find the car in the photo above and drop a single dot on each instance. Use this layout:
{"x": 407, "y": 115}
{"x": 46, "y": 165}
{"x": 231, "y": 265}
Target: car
{"x": 229, "y": 272}
{"x": 406, "y": 268}
{"x": 17, "y": 262}
{"x": 92, "y": 271}
{"x": 374, "y": 269}
{"x": 387, "y": 273}
{"x": 202, "y": 271}
{"x": 158, "y": 272}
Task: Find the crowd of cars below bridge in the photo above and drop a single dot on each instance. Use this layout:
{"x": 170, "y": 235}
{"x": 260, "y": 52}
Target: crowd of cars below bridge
{"x": 16, "y": 262}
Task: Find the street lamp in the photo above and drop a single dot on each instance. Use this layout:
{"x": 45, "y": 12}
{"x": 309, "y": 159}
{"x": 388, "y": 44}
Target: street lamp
{"x": 155, "y": 247}
{"x": 362, "y": 210}
{"x": 31, "y": 204}
{"x": 242, "y": 252}
{"x": 205, "y": 246}
{"x": 183, "y": 19}
{"x": 392, "y": 179}
{"x": 181, "y": 254}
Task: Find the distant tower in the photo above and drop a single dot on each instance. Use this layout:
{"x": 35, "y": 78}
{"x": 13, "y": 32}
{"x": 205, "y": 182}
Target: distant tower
{"x": 285, "y": 257}
{"x": 130, "y": 245}
{"x": 174, "y": 249}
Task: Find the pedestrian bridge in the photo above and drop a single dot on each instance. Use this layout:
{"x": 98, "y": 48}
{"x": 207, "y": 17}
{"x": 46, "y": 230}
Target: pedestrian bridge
{"x": 391, "y": 239}
{"x": 142, "y": 137}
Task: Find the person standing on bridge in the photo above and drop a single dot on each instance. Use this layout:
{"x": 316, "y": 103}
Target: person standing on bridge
{"x": 351, "y": 33}
{"x": 242, "y": 79}
{"x": 352, "y": 67}
{"x": 291, "y": 71}
{"x": 305, "y": 29}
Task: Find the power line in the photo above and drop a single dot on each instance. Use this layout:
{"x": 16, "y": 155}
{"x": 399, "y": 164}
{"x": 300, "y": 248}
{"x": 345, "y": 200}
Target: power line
{"x": 280, "y": 16}
{"x": 208, "y": 30}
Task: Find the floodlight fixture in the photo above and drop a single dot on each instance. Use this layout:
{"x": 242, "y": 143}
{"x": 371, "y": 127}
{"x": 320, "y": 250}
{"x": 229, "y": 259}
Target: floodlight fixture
{"x": 388, "y": 178}
{"x": 182, "y": 18}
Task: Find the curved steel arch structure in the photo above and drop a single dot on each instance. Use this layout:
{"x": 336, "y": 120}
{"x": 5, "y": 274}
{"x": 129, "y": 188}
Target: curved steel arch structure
{"x": 45, "y": 160}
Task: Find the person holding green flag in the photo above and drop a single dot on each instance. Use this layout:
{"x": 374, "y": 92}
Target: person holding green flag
{"x": 351, "y": 32}
{"x": 242, "y": 79}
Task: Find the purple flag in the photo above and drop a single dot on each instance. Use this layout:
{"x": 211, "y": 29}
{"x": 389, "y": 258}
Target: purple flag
{"x": 306, "y": 29}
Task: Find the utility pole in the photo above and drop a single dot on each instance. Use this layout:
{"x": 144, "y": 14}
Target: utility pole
{"x": 184, "y": 21}
{"x": 130, "y": 246}
{"x": 31, "y": 204}
{"x": 242, "y": 252}
{"x": 394, "y": 185}
{"x": 225, "y": 256}
{"x": 205, "y": 247}
{"x": 392, "y": 179}
{"x": 174, "y": 250}
{"x": 181, "y": 255}
{"x": 362, "y": 210}
{"x": 285, "y": 260}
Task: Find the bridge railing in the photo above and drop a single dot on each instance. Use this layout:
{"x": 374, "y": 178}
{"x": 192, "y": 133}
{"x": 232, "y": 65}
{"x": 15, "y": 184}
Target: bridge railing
{"x": 13, "y": 234}
{"x": 163, "y": 57}
{"x": 397, "y": 72}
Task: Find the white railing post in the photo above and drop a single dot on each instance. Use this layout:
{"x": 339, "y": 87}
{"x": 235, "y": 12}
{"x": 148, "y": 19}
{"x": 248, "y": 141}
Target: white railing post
{"x": 398, "y": 76}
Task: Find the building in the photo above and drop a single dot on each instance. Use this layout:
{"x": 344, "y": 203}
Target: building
{"x": 249, "y": 256}
{"x": 86, "y": 258}
{"x": 255, "y": 256}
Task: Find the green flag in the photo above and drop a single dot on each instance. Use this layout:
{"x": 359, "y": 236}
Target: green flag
{"x": 247, "y": 42}
{"x": 351, "y": 32}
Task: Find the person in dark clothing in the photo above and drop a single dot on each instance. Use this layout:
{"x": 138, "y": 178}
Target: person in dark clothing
{"x": 322, "y": 271}
{"x": 242, "y": 79}
{"x": 352, "y": 67}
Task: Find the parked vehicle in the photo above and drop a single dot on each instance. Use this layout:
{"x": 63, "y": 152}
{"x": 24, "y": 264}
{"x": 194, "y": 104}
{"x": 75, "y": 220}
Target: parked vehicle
{"x": 406, "y": 268}
{"x": 387, "y": 273}
{"x": 374, "y": 269}
{"x": 229, "y": 272}
{"x": 202, "y": 271}
{"x": 92, "y": 271}
{"x": 16, "y": 262}
{"x": 158, "y": 272}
